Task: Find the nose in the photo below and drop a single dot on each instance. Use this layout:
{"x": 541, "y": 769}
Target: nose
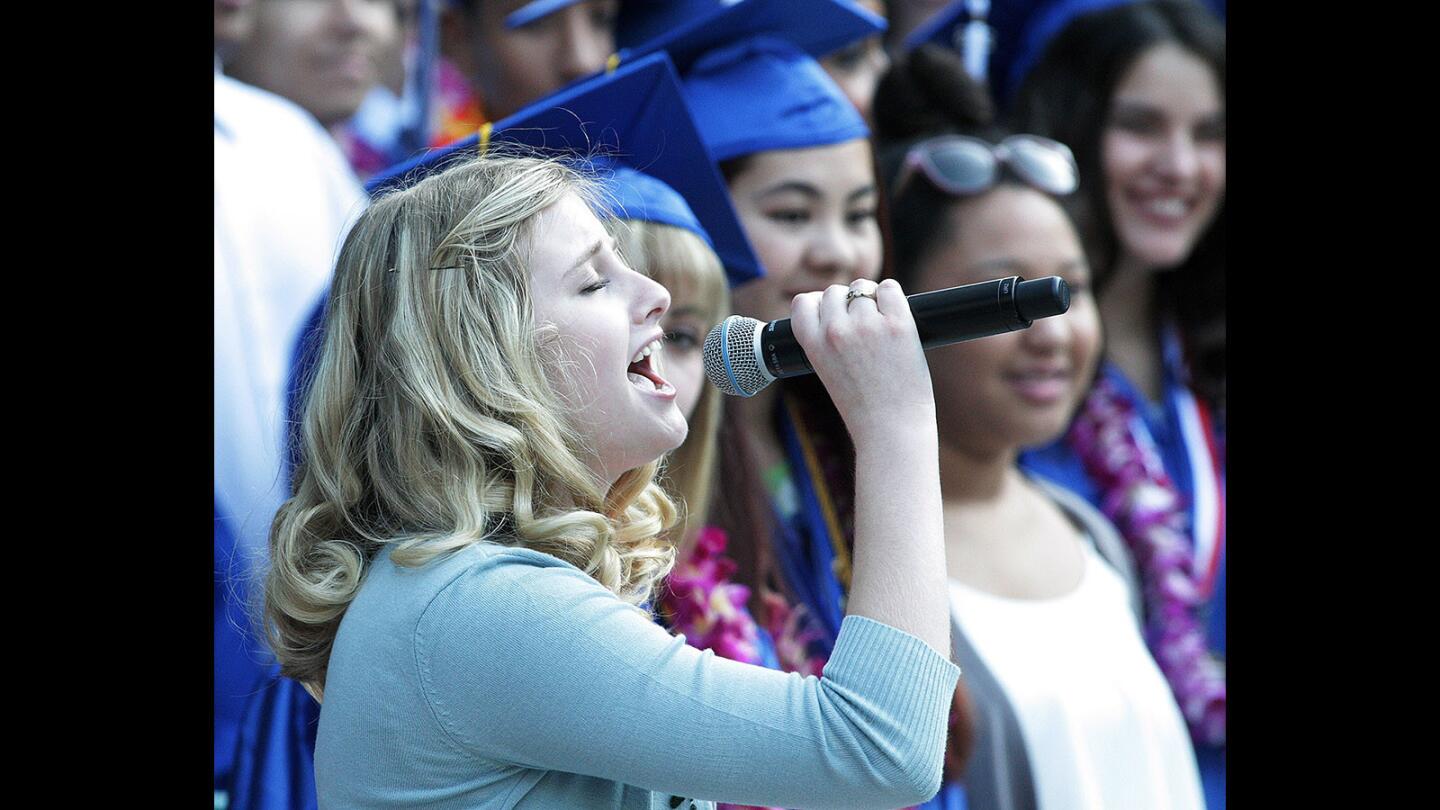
{"x": 652, "y": 300}
{"x": 345, "y": 16}
{"x": 1178, "y": 157}
{"x": 1047, "y": 335}
{"x": 584, "y": 45}
{"x": 832, "y": 254}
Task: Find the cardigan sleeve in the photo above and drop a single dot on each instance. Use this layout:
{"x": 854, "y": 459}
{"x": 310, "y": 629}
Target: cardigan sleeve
{"x": 524, "y": 660}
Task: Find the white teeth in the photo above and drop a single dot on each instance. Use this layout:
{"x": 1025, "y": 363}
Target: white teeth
{"x": 1172, "y": 207}
{"x": 647, "y": 350}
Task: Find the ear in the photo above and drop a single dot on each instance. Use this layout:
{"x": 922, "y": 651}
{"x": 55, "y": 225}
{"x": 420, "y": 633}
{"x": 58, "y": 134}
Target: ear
{"x": 455, "y": 39}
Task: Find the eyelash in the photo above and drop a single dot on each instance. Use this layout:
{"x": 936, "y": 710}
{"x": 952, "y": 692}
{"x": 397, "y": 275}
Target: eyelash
{"x": 803, "y": 217}
{"x": 675, "y": 337}
{"x": 790, "y": 217}
{"x": 1146, "y": 127}
{"x": 597, "y": 286}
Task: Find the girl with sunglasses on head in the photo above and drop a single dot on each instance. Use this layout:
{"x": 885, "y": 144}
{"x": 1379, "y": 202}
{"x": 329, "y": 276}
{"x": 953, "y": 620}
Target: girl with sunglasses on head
{"x": 1138, "y": 91}
{"x": 475, "y": 521}
{"x": 1066, "y": 707}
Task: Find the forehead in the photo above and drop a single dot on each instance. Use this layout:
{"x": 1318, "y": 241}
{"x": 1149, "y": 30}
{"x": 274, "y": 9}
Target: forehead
{"x": 837, "y": 169}
{"x": 562, "y": 234}
{"x": 1172, "y": 78}
{"x": 1012, "y": 222}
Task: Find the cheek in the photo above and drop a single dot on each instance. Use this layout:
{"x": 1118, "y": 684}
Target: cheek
{"x": 767, "y": 297}
{"x": 380, "y": 23}
{"x": 1122, "y": 157}
{"x": 957, "y": 373}
{"x": 1212, "y": 163}
{"x": 1085, "y": 337}
{"x": 778, "y": 252}
{"x": 686, "y": 372}
{"x": 871, "y": 260}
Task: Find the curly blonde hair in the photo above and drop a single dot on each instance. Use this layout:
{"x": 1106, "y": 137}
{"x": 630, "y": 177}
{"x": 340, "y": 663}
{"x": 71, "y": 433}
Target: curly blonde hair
{"x": 430, "y": 424}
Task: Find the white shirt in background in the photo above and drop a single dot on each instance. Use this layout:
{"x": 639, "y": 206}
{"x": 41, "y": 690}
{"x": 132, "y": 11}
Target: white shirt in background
{"x": 1101, "y": 727}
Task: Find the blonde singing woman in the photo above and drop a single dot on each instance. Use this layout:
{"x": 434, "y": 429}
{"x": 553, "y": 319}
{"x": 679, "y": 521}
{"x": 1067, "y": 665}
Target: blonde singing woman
{"x": 461, "y": 573}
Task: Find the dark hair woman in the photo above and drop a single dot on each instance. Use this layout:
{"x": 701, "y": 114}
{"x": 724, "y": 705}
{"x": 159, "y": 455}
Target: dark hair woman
{"x": 1138, "y": 91}
{"x": 1067, "y": 707}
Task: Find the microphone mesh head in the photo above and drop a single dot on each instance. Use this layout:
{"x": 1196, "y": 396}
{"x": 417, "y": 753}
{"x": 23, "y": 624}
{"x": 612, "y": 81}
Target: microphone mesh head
{"x": 735, "y": 337}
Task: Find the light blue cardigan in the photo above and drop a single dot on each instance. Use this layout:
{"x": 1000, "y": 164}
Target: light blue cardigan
{"x": 504, "y": 677}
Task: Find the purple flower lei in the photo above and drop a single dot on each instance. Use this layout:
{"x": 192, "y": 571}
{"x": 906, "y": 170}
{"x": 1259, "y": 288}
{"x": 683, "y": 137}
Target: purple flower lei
{"x": 706, "y": 607}
{"x": 701, "y": 602}
{"x": 1147, "y": 508}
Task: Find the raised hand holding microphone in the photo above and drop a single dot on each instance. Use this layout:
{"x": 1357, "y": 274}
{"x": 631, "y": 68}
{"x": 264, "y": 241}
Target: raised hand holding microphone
{"x": 863, "y": 344}
{"x": 743, "y": 355}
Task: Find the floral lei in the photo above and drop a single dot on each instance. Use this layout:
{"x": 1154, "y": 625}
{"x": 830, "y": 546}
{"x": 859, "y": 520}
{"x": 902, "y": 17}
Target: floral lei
{"x": 701, "y": 602}
{"x": 1146, "y": 507}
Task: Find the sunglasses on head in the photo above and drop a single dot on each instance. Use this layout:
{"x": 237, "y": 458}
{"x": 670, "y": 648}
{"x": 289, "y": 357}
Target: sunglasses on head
{"x": 962, "y": 165}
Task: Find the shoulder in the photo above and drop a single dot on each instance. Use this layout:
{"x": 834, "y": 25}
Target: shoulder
{"x": 494, "y": 591}
{"x": 1099, "y": 531}
{"x": 245, "y": 108}
{"x": 488, "y": 570}
{"x": 252, "y": 121}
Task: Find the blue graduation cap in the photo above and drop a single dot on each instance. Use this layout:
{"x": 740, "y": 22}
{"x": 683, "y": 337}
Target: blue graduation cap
{"x": 762, "y": 94}
{"x": 750, "y": 73}
{"x": 636, "y": 118}
{"x": 963, "y": 26}
{"x": 1017, "y": 32}
{"x": 638, "y": 23}
{"x": 687, "y": 29}
{"x": 637, "y": 195}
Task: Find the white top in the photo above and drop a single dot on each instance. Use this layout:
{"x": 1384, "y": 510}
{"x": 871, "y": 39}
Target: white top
{"x": 284, "y": 196}
{"x": 1101, "y": 727}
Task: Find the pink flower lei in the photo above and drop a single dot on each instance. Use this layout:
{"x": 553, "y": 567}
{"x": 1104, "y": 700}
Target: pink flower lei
{"x": 1146, "y": 507}
{"x": 701, "y": 602}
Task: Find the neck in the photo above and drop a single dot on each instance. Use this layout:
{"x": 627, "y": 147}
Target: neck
{"x": 1127, "y": 308}
{"x": 1128, "y": 304}
{"x": 969, "y": 476}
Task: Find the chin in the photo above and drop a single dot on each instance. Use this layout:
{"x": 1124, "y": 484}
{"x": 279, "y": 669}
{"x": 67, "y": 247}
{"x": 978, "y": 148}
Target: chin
{"x": 653, "y": 447}
{"x": 1162, "y": 253}
{"x": 1042, "y": 429}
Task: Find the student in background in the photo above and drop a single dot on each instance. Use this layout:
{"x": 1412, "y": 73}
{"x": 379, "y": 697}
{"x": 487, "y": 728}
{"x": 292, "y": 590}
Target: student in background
{"x": 283, "y": 199}
{"x": 1138, "y": 91}
{"x": 325, "y": 55}
{"x": 857, "y": 67}
{"x": 496, "y": 62}
{"x": 1067, "y": 708}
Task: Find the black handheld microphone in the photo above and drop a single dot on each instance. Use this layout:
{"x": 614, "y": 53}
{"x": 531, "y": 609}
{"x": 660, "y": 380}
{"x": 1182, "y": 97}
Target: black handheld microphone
{"x": 743, "y": 355}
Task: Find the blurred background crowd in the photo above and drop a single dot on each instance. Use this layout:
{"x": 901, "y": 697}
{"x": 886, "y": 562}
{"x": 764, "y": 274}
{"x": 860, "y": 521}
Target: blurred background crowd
{"x": 939, "y": 142}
